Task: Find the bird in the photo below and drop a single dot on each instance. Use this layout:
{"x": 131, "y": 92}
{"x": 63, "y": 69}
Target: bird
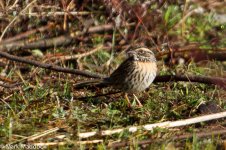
{"x": 135, "y": 74}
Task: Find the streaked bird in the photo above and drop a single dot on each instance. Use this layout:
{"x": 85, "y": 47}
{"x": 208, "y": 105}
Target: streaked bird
{"x": 134, "y": 75}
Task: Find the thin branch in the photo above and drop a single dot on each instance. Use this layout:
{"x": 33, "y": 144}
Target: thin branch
{"x": 49, "y": 66}
{"x": 192, "y": 78}
{"x": 65, "y": 143}
{"x": 5, "y": 79}
{"x": 36, "y": 136}
{"x": 180, "y": 137}
{"x": 40, "y": 135}
{"x": 10, "y": 85}
{"x": 77, "y": 56}
{"x": 100, "y": 28}
{"x": 195, "y": 50}
{"x": 57, "y": 13}
{"x": 150, "y": 127}
{"x": 7, "y": 104}
{"x": 43, "y": 43}
{"x": 27, "y": 33}
{"x": 56, "y": 41}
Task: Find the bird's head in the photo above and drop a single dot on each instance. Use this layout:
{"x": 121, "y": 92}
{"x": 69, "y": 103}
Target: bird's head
{"x": 141, "y": 54}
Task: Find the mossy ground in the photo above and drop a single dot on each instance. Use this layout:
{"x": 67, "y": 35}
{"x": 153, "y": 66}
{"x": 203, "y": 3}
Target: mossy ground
{"x": 47, "y": 99}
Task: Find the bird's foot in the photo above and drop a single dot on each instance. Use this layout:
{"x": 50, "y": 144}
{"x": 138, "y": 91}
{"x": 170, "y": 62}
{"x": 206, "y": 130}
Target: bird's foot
{"x": 137, "y": 100}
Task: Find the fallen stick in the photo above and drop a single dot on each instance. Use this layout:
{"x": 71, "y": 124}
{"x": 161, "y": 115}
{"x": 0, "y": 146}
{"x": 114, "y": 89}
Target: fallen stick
{"x": 9, "y": 85}
{"x": 44, "y": 133}
{"x": 61, "y": 40}
{"x": 49, "y": 144}
{"x": 56, "y": 13}
{"x": 27, "y": 33}
{"x": 115, "y": 145}
{"x": 193, "y": 78}
{"x": 39, "y": 44}
{"x": 36, "y": 136}
{"x": 49, "y": 66}
{"x": 149, "y": 127}
{"x": 77, "y": 56}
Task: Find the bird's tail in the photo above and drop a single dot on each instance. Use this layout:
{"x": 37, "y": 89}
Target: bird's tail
{"x": 90, "y": 84}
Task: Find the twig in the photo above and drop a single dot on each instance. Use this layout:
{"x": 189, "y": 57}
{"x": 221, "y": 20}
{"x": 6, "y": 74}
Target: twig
{"x": 10, "y": 85}
{"x": 14, "y": 4}
{"x": 149, "y": 127}
{"x": 3, "y": 100}
{"x": 65, "y": 143}
{"x": 49, "y": 66}
{"x": 180, "y": 137}
{"x": 56, "y": 41}
{"x": 5, "y": 79}
{"x": 57, "y": 13}
{"x": 49, "y": 144}
{"x": 100, "y": 28}
{"x": 192, "y": 49}
{"x": 64, "y": 58}
{"x": 192, "y": 78}
{"x": 36, "y": 136}
{"x": 44, "y": 133}
{"x": 43, "y": 43}
{"x": 26, "y": 34}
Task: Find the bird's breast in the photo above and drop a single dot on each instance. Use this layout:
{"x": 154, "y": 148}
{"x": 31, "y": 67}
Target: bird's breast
{"x": 147, "y": 71}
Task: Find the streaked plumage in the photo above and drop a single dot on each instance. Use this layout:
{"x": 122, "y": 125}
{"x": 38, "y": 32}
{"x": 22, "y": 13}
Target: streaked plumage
{"x": 135, "y": 74}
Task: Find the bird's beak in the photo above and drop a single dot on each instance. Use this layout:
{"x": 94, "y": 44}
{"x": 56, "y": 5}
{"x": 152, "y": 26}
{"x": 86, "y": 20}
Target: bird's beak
{"x": 131, "y": 52}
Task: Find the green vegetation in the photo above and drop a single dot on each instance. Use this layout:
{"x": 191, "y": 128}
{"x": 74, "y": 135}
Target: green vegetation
{"x": 47, "y": 99}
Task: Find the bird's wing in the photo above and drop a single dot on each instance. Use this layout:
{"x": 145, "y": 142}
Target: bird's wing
{"x": 122, "y": 72}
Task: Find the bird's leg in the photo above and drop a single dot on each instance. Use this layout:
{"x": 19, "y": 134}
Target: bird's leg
{"x": 139, "y": 103}
{"x": 127, "y": 99}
